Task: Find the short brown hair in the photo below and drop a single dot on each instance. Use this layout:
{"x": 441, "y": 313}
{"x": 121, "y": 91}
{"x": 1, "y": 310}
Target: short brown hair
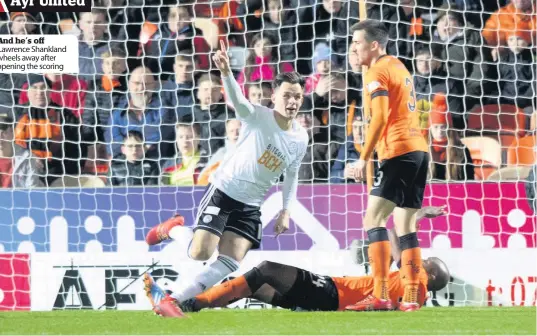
{"x": 134, "y": 135}
{"x": 187, "y": 56}
{"x": 188, "y": 122}
{"x": 288, "y": 77}
{"x": 96, "y": 11}
{"x": 114, "y": 51}
{"x": 196, "y": 128}
{"x": 374, "y": 31}
{"x": 261, "y": 84}
{"x": 215, "y": 79}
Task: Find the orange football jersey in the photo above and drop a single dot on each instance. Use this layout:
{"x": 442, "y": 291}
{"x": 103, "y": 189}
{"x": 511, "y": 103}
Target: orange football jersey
{"x": 401, "y": 134}
{"x": 353, "y": 289}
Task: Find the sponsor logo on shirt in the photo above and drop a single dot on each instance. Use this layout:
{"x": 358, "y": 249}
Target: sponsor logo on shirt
{"x": 272, "y": 158}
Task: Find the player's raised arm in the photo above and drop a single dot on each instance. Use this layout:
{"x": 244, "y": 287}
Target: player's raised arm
{"x": 233, "y": 90}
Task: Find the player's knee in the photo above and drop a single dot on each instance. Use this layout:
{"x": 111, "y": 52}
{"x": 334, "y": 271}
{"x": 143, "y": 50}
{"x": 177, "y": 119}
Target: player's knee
{"x": 200, "y": 252}
{"x": 374, "y": 220}
{"x": 405, "y": 221}
{"x": 203, "y": 245}
{"x": 265, "y": 266}
{"x": 378, "y": 212}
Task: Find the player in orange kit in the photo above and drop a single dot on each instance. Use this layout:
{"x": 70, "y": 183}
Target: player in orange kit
{"x": 290, "y": 287}
{"x": 402, "y": 151}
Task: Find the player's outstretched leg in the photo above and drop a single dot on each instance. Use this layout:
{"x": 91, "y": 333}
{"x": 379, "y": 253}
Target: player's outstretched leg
{"x": 232, "y": 249}
{"x": 162, "y": 304}
{"x": 161, "y": 232}
{"x": 273, "y": 283}
{"x": 377, "y": 213}
{"x": 252, "y": 284}
{"x": 220, "y": 296}
{"x": 411, "y": 262}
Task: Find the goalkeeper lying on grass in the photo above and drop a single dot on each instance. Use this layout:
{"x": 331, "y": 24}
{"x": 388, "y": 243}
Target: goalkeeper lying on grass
{"x": 294, "y": 288}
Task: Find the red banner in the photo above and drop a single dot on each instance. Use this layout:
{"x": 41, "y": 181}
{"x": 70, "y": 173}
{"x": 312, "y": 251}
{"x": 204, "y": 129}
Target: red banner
{"x": 15, "y": 281}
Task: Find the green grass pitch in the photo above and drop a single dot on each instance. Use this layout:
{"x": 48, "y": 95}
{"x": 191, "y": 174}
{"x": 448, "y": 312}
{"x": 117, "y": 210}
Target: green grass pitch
{"x": 428, "y": 321}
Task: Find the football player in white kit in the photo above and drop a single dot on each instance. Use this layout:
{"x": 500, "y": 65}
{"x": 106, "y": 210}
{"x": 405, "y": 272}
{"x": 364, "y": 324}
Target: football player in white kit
{"x": 271, "y": 143}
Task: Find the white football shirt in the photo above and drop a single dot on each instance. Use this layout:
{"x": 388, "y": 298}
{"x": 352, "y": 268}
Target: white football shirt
{"x": 264, "y": 151}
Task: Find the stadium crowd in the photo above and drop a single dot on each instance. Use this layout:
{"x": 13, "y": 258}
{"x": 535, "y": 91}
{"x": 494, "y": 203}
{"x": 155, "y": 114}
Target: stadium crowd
{"x": 147, "y": 106}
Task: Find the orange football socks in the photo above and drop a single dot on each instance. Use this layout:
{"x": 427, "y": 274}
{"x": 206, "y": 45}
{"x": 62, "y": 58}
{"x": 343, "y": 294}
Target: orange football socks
{"x": 379, "y": 258}
{"x": 411, "y": 266}
{"x": 223, "y": 294}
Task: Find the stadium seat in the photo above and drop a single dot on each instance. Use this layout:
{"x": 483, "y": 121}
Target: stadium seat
{"x": 496, "y": 120}
{"x": 523, "y": 151}
{"x": 510, "y": 174}
{"x": 486, "y": 155}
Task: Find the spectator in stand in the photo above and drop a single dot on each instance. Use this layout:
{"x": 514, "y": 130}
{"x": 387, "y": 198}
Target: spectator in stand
{"x": 518, "y": 16}
{"x": 161, "y": 43}
{"x": 125, "y": 24}
{"x": 142, "y": 112}
{"x": 279, "y": 23}
{"x": 66, "y": 91}
{"x": 467, "y": 61}
{"x": 250, "y": 13}
{"x": 11, "y": 83}
{"x": 398, "y": 19}
{"x": 262, "y": 64}
{"x": 211, "y": 112}
{"x": 131, "y": 168}
{"x": 354, "y": 85}
{"x": 107, "y": 91}
{"x": 93, "y": 43}
{"x": 191, "y": 158}
{"x": 20, "y": 23}
{"x": 260, "y": 93}
{"x": 322, "y": 64}
{"x": 51, "y": 132}
{"x": 517, "y": 73}
{"x": 478, "y": 11}
{"x": 343, "y": 168}
{"x": 105, "y": 95}
{"x": 430, "y": 78}
{"x": 335, "y": 105}
{"x": 450, "y": 159}
{"x": 327, "y": 22}
{"x": 316, "y": 163}
{"x": 178, "y": 91}
{"x": 18, "y": 168}
{"x": 233, "y": 127}
{"x": 416, "y": 22}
